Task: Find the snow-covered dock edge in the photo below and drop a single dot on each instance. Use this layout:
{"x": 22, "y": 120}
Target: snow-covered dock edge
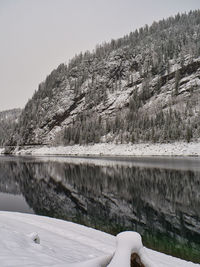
{"x": 43, "y": 241}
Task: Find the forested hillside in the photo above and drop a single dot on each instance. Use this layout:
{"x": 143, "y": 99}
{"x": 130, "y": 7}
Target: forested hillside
{"x": 144, "y": 87}
{"x": 8, "y": 122}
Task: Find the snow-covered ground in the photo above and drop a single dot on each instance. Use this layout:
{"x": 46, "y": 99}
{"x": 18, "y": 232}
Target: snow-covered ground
{"x": 171, "y": 149}
{"x": 31, "y": 240}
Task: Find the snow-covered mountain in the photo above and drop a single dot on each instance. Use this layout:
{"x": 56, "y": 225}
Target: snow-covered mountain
{"x": 8, "y": 121}
{"x": 142, "y": 87}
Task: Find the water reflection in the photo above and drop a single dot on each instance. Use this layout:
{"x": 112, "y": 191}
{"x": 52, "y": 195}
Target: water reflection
{"x": 160, "y": 198}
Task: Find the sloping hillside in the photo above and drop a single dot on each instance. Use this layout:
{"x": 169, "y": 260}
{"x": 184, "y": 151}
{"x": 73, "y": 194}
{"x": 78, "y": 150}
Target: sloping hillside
{"x": 8, "y": 121}
{"x": 142, "y": 87}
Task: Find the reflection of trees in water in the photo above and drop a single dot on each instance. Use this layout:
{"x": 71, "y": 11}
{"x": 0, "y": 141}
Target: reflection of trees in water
{"x": 7, "y": 183}
{"x": 162, "y": 200}
{"x": 130, "y": 197}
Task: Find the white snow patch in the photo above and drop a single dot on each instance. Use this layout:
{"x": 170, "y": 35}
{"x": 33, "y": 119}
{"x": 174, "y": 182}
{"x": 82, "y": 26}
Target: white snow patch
{"x": 105, "y": 149}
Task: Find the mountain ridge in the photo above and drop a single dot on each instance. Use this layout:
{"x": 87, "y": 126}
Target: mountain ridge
{"x": 144, "y": 87}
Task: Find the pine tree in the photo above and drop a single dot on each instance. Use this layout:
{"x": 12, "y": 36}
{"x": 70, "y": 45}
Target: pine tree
{"x": 177, "y": 81}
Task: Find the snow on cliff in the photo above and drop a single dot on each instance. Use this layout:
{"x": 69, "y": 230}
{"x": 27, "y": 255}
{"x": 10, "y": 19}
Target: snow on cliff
{"x": 30, "y": 240}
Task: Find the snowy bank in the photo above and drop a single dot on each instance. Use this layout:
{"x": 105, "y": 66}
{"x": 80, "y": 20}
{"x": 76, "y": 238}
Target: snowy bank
{"x": 104, "y": 149}
{"x": 31, "y": 240}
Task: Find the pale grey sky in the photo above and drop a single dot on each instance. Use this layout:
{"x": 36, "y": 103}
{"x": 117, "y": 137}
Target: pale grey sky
{"x": 37, "y": 35}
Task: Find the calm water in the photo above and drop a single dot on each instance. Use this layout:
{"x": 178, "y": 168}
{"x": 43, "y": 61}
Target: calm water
{"x": 158, "y": 197}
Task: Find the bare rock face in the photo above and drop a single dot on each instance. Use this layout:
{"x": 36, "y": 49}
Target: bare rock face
{"x": 142, "y": 87}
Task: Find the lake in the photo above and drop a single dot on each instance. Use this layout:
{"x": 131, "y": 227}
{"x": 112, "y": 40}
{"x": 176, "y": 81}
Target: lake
{"x": 157, "y": 196}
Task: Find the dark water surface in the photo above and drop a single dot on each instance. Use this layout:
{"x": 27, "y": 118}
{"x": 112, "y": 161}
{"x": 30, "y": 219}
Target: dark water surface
{"x": 158, "y": 197}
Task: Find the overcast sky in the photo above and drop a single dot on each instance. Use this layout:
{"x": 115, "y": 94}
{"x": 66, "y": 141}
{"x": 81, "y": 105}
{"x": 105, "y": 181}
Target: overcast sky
{"x": 37, "y": 35}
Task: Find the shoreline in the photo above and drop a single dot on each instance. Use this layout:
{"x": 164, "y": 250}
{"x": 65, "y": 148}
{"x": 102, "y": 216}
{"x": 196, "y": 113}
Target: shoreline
{"x": 181, "y": 149}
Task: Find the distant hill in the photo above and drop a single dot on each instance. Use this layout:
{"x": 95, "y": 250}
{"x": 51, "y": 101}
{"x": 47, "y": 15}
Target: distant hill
{"x": 144, "y": 87}
{"x": 8, "y": 122}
